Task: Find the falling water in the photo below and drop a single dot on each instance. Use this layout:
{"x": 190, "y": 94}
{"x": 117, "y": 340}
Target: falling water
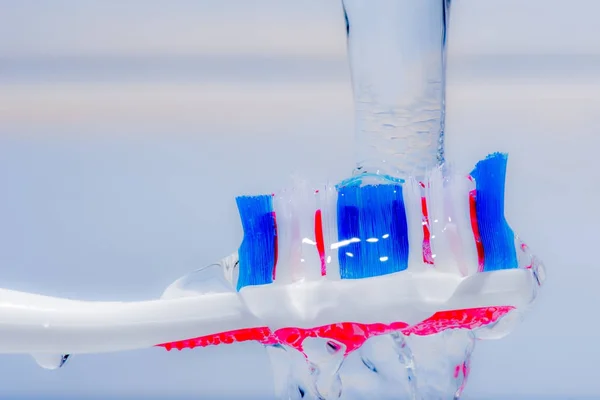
{"x": 397, "y": 52}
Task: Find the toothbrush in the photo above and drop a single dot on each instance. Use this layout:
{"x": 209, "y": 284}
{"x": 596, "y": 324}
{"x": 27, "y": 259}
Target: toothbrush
{"x": 395, "y": 294}
{"x": 403, "y": 265}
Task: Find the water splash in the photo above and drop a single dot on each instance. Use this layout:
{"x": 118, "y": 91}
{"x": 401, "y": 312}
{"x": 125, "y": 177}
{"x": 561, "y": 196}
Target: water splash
{"x": 434, "y": 367}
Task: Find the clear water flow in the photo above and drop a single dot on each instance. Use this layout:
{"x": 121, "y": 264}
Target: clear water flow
{"x": 397, "y": 53}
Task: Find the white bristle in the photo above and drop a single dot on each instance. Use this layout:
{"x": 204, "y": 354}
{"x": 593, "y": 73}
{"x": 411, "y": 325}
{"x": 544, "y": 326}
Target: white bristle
{"x": 328, "y": 202}
{"x": 287, "y": 248}
{"x": 411, "y": 192}
{"x": 462, "y": 241}
{"x": 306, "y": 206}
{"x": 298, "y": 258}
{"x": 440, "y": 224}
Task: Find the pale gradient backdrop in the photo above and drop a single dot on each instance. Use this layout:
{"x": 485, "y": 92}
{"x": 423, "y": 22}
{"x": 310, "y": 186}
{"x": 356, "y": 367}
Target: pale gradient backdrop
{"x": 127, "y": 128}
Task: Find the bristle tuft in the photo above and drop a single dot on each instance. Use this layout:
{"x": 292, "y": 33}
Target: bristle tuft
{"x": 372, "y": 229}
{"x": 258, "y": 249}
{"x": 497, "y": 238}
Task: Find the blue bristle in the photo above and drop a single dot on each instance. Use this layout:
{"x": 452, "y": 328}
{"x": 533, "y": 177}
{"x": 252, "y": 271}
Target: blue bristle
{"x": 257, "y": 251}
{"x": 374, "y": 212}
{"x": 497, "y": 237}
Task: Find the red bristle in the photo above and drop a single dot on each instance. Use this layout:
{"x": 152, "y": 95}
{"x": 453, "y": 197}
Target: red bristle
{"x": 427, "y": 254}
{"x": 320, "y": 241}
{"x": 475, "y": 228}
{"x": 275, "y": 256}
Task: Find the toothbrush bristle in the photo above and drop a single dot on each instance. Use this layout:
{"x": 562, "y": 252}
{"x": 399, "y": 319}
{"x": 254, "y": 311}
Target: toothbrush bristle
{"x": 497, "y": 238}
{"x": 257, "y": 253}
{"x": 320, "y": 240}
{"x": 372, "y": 232}
{"x": 372, "y": 225}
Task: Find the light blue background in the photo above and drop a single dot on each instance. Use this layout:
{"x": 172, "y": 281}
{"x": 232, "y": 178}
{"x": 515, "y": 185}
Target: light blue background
{"x": 127, "y": 128}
